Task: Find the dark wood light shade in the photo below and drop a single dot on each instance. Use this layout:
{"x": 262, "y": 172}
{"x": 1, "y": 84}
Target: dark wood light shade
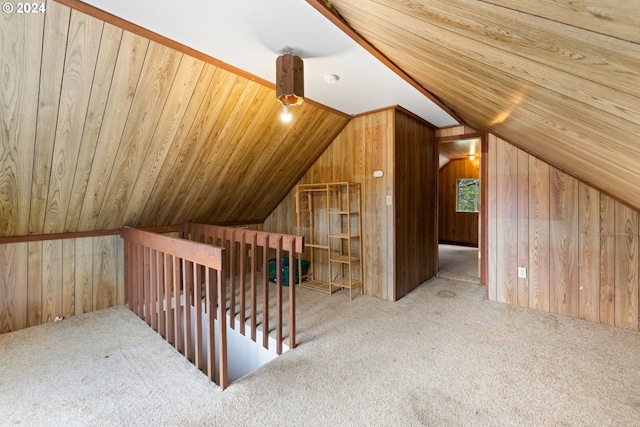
{"x": 290, "y": 79}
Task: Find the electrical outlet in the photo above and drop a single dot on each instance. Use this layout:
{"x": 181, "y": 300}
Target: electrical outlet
{"x": 389, "y": 201}
{"x": 522, "y": 272}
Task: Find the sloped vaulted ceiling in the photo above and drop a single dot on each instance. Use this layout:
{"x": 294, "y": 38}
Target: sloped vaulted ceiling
{"x": 558, "y": 78}
{"x": 102, "y": 128}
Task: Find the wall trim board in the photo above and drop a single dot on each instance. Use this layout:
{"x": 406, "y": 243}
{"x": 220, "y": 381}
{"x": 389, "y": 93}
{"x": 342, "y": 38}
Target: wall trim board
{"x": 442, "y": 139}
{"x": 82, "y": 234}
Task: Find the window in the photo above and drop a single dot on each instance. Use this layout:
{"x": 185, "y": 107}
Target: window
{"x": 467, "y": 194}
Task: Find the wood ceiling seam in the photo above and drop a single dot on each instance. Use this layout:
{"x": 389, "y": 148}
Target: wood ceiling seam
{"x": 628, "y": 69}
{"x": 611, "y": 19}
{"x": 487, "y": 76}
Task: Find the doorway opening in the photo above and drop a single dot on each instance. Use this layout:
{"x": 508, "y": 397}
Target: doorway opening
{"x": 459, "y": 183}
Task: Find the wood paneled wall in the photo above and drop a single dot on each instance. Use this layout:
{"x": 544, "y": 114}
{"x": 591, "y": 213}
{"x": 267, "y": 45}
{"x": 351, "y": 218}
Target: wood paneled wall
{"x": 579, "y": 246}
{"x": 456, "y": 227}
{"x": 364, "y": 146}
{"x": 102, "y": 128}
{"x": 40, "y": 280}
{"x": 403, "y": 148}
{"x": 415, "y": 193}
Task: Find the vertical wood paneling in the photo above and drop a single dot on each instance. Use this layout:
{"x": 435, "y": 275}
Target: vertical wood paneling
{"x": 626, "y": 275}
{"x": 492, "y": 234}
{"x": 83, "y": 275}
{"x": 539, "y": 262}
{"x": 523, "y": 226}
{"x": 43, "y": 279}
{"x": 507, "y": 222}
{"x": 607, "y": 260}
{"x": 13, "y": 287}
{"x": 369, "y": 141}
{"x": 564, "y": 244}
{"x": 589, "y": 252}
{"x": 580, "y": 246}
{"x": 415, "y": 189}
{"x": 104, "y": 271}
{"x": 51, "y": 280}
{"x": 68, "y": 277}
{"x": 34, "y": 284}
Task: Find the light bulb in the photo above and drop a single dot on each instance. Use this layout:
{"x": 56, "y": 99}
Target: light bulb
{"x": 286, "y": 115}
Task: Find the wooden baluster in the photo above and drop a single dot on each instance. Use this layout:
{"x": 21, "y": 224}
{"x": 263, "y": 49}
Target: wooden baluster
{"x": 210, "y": 304}
{"x": 197, "y": 304}
{"x": 232, "y": 278}
{"x": 254, "y": 284}
{"x": 177, "y": 307}
{"x": 168, "y": 311}
{"x": 292, "y": 297}
{"x": 187, "y": 287}
{"x": 153, "y": 290}
{"x": 242, "y": 270}
{"x": 222, "y": 329}
{"x": 265, "y": 290}
{"x": 279, "y": 283}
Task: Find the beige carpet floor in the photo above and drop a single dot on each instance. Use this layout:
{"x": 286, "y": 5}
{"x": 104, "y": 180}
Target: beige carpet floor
{"x": 442, "y": 356}
{"x": 458, "y": 263}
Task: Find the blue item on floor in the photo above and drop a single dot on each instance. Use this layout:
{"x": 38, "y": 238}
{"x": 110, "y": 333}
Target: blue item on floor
{"x": 285, "y": 270}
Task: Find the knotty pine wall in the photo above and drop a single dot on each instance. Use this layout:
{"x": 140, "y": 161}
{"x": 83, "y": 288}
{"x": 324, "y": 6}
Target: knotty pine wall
{"x": 580, "y": 247}
{"x": 456, "y": 227}
{"x": 40, "y": 280}
{"x": 398, "y": 240}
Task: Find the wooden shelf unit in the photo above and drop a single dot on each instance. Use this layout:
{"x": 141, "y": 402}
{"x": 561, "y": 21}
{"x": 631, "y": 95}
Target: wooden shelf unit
{"x": 328, "y": 216}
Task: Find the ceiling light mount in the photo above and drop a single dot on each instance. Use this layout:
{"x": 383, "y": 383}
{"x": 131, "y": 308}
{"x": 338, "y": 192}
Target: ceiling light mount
{"x": 331, "y": 78}
{"x": 289, "y": 81}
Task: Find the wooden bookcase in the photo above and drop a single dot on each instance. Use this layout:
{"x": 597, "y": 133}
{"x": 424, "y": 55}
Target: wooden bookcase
{"x": 328, "y": 216}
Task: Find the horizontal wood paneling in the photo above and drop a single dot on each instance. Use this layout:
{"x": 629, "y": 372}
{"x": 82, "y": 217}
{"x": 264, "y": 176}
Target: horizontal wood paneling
{"x": 582, "y": 246}
{"x": 41, "y": 280}
{"x": 102, "y": 128}
{"x": 548, "y": 76}
{"x": 456, "y": 227}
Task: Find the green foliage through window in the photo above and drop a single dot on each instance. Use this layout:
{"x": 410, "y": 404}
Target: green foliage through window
{"x": 468, "y": 194}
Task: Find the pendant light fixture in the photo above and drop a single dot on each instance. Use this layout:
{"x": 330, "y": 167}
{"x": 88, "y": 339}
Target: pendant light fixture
{"x": 289, "y": 82}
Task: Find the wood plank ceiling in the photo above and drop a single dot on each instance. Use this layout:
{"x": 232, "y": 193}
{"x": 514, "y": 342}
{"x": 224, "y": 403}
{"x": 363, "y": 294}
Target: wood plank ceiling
{"x": 102, "y": 128}
{"x": 557, "y": 78}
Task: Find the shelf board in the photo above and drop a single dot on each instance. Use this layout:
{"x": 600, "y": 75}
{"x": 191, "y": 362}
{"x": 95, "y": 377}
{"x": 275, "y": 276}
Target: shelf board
{"x": 319, "y": 286}
{"x": 344, "y": 283}
{"x": 343, "y": 236}
{"x": 345, "y": 259}
{"x": 312, "y": 245}
{"x": 343, "y": 213}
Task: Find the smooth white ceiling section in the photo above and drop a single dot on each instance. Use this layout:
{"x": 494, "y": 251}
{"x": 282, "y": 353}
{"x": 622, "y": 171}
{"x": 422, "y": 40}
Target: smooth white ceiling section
{"x": 249, "y": 35}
